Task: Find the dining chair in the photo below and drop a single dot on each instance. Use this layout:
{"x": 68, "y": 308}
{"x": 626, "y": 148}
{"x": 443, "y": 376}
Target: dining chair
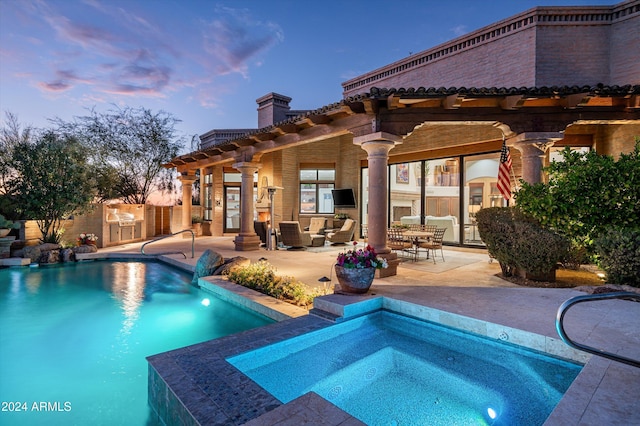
{"x": 397, "y": 241}
{"x": 434, "y": 243}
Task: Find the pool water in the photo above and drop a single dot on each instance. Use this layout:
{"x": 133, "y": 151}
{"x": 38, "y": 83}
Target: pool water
{"x": 73, "y": 338}
{"x": 388, "y": 369}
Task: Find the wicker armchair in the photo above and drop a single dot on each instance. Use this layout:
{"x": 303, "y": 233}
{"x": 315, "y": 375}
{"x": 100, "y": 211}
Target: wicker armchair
{"x": 317, "y": 225}
{"x": 344, "y": 234}
{"x": 294, "y": 238}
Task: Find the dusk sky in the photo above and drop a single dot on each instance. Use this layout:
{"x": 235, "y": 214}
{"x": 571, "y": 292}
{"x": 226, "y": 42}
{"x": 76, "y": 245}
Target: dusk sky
{"x": 206, "y": 62}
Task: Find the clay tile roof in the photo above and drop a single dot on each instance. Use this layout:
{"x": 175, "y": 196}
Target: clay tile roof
{"x": 354, "y": 103}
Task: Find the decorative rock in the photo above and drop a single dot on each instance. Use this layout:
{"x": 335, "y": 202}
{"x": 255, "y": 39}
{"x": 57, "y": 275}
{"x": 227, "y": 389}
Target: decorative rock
{"x": 50, "y": 256}
{"x": 32, "y": 252}
{"x": 207, "y": 264}
{"x": 67, "y": 255}
{"x": 230, "y": 264}
{"x": 85, "y": 248}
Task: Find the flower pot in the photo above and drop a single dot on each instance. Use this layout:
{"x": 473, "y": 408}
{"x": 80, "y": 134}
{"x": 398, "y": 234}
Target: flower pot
{"x": 354, "y": 280}
{"x": 4, "y": 232}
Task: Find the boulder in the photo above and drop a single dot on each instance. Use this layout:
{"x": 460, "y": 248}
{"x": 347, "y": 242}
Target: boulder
{"x": 31, "y": 252}
{"x": 230, "y": 264}
{"x": 67, "y": 255}
{"x": 49, "y": 256}
{"x": 207, "y": 264}
{"x": 35, "y": 253}
{"x": 85, "y": 248}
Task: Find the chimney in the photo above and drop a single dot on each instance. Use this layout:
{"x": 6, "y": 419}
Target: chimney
{"x": 272, "y": 108}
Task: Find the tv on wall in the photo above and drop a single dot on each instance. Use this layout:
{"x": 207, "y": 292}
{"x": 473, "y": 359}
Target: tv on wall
{"x": 343, "y": 198}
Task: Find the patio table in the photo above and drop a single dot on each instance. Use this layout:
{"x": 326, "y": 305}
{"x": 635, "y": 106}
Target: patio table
{"x": 415, "y": 236}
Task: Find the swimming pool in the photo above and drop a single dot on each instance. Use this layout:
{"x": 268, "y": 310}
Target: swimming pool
{"x": 73, "y": 338}
{"x": 389, "y": 369}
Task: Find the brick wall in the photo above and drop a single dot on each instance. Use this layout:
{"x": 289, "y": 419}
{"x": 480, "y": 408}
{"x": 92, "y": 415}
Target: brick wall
{"x": 544, "y": 46}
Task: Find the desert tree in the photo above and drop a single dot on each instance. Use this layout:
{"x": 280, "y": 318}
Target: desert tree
{"x": 11, "y": 134}
{"x": 127, "y": 148}
{"x": 51, "y": 182}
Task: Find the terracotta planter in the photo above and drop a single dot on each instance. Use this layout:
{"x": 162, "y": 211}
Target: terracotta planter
{"x": 356, "y": 281}
{"x": 4, "y": 232}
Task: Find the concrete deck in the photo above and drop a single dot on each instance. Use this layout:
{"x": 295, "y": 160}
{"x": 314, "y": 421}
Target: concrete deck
{"x": 464, "y": 286}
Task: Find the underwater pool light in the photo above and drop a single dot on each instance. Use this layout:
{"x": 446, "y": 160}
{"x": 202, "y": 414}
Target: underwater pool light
{"x": 205, "y": 302}
{"x": 492, "y": 413}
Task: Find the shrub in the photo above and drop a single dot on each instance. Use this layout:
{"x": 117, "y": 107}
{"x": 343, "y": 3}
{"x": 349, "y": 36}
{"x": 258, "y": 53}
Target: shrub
{"x": 518, "y": 242}
{"x": 495, "y": 225}
{"x": 619, "y": 255}
{"x": 260, "y": 276}
{"x": 538, "y": 250}
{"x": 586, "y": 193}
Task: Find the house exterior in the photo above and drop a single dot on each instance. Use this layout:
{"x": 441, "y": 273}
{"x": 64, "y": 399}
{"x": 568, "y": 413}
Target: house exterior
{"x": 420, "y": 139}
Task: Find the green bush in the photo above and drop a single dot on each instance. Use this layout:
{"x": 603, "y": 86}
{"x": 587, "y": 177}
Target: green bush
{"x": 8, "y": 224}
{"x": 495, "y": 225}
{"x": 538, "y": 250}
{"x": 619, "y": 255}
{"x": 260, "y": 276}
{"x": 518, "y": 242}
{"x": 585, "y": 193}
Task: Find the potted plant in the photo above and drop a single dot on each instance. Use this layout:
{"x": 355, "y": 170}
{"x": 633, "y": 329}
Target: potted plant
{"x": 338, "y": 219}
{"x": 6, "y": 226}
{"x": 356, "y": 268}
{"x": 86, "y": 239}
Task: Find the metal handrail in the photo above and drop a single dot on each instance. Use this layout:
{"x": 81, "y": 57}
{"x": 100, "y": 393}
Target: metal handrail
{"x": 562, "y": 310}
{"x": 193, "y": 243}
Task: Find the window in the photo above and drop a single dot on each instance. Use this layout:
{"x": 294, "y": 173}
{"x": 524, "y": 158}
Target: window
{"x": 208, "y": 195}
{"x": 315, "y": 190}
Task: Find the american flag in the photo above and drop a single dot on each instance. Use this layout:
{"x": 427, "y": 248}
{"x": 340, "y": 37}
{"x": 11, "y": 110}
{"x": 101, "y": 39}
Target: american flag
{"x": 504, "y": 170}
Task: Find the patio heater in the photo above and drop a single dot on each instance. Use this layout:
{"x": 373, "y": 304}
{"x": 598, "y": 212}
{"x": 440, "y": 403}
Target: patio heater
{"x": 271, "y": 234}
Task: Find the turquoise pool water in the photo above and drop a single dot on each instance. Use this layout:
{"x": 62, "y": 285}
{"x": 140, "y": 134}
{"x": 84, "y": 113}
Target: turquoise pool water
{"x": 388, "y": 369}
{"x": 73, "y": 339}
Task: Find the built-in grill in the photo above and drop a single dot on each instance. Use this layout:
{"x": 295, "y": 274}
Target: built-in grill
{"x": 123, "y": 219}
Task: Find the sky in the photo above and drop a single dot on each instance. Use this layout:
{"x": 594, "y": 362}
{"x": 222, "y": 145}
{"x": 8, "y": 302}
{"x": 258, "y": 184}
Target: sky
{"x": 206, "y": 62}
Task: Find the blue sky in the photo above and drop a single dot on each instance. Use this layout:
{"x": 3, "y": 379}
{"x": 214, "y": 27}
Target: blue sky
{"x": 206, "y": 62}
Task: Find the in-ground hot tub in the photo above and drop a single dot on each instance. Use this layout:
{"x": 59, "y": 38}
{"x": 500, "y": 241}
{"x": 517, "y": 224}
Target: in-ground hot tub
{"x": 385, "y": 368}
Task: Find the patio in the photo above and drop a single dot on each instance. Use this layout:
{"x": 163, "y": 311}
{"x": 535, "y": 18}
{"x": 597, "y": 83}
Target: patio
{"x": 465, "y": 284}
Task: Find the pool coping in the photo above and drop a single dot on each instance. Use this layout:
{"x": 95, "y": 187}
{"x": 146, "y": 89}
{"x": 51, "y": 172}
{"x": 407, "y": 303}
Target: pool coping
{"x": 196, "y": 385}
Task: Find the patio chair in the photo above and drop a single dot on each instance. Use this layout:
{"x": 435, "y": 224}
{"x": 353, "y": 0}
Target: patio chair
{"x": 292, "y": 237}
{"x": 397, "y": 241}
{"x": 261, "y": 229}
{"x": 317, "y": 225}
{"x": 434, "y": 243}
{"x": 344, "y": 234}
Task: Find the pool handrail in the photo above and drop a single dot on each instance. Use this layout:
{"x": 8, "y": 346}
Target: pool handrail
{"x": 193, "y": 243}
{"x": 562, "y": 310}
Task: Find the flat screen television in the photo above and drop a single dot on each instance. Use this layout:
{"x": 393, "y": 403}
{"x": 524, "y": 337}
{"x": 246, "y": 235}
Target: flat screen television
{"x": 343, "y": 198}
